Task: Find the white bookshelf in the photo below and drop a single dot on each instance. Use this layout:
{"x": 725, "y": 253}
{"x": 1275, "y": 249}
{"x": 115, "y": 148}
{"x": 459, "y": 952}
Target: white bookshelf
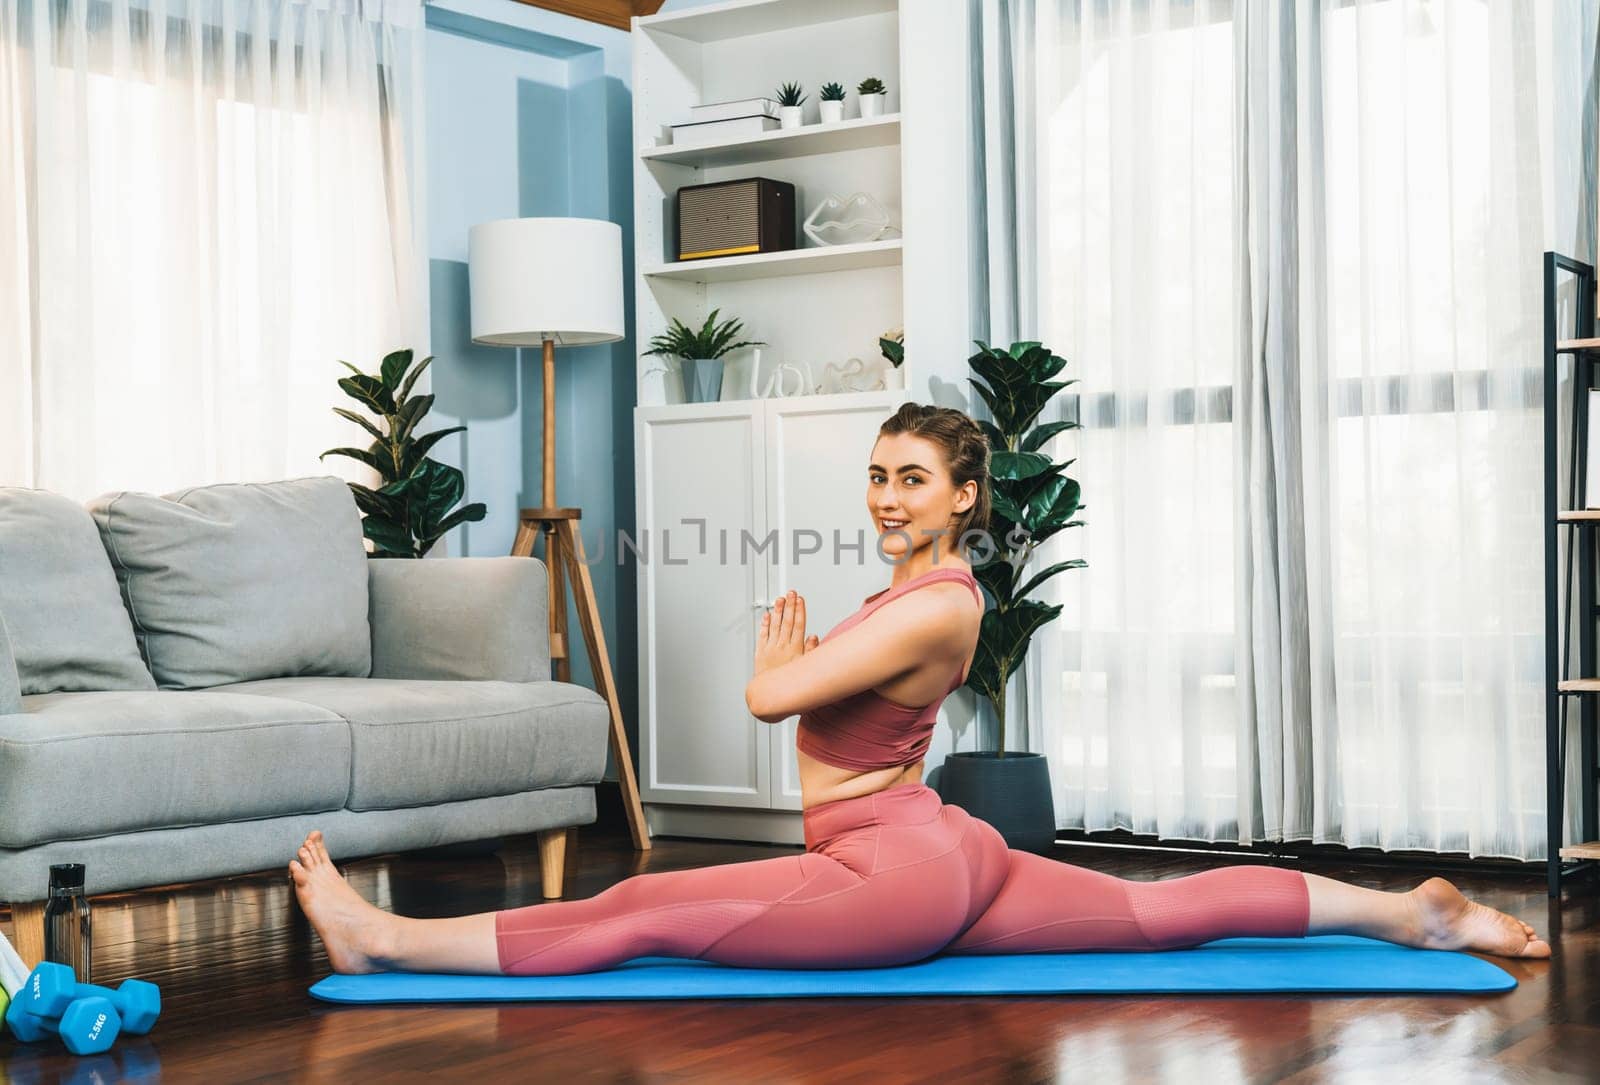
{"x": 752, "y": 18}
{"x": 814, "y": 304}
{"x": 771, "y": 265}
{"x": 851, "y": 135}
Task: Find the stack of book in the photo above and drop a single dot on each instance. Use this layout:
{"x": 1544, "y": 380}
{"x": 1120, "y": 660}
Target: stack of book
{"x": 718, "y": 121}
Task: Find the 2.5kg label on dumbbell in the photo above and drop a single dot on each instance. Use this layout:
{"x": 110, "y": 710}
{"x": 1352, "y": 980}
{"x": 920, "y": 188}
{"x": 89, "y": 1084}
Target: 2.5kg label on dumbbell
{"x": 99, "y": 1023}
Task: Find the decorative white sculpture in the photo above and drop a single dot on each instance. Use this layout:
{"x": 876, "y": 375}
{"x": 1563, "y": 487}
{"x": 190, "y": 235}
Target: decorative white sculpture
{"x": 777, "y": 384}
{"x": 854, "y": 376}
{"x": 840, "y": 220}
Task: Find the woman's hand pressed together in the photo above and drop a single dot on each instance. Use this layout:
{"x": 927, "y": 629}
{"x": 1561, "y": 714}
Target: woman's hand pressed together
{"x": 783, "y": 633}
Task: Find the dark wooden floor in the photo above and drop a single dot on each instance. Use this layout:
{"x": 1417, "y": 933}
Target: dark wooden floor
{"x": 234, "y": 964}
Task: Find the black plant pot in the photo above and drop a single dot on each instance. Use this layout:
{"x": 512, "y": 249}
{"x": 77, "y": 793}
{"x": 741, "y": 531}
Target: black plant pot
{"x": 1012, "y": 793}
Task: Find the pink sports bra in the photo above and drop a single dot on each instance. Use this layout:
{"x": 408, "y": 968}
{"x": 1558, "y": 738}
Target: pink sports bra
{"x": 867, "y": 730}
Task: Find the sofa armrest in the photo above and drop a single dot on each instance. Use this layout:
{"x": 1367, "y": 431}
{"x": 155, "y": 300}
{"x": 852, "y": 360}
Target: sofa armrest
{"x": 460, "y": 618}
{"x": 10, "y": 687}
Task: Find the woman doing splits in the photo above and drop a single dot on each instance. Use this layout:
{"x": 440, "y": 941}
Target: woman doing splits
{"x": 890, "y": 874}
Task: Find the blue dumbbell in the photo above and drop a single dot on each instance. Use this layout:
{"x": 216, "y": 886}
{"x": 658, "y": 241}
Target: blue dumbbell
{"x": 89, "y": 1026}
{"x": 52, "y": 988}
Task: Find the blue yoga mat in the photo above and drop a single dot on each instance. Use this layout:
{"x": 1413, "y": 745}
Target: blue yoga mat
{"x": 1323, "y": 963}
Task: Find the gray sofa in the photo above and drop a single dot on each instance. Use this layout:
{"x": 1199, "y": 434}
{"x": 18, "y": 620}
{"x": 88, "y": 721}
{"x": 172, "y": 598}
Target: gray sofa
{"x": 190, "y": 683}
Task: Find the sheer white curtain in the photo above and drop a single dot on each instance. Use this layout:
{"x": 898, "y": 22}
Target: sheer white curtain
{"x": 206, "y": 204}
{"x": 1293, "y": 253}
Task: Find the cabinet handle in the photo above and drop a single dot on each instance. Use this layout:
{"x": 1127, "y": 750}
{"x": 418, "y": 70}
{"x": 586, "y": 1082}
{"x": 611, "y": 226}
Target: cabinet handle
{"x": 760, "y": 604}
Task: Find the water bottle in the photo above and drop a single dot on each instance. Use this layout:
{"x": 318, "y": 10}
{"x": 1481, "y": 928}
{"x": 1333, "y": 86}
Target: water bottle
{"x": 67, "y": 938}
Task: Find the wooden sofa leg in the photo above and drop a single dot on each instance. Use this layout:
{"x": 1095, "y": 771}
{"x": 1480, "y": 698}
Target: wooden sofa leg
{"x": 553, "y": 860}
{"x": 27, "y": 931}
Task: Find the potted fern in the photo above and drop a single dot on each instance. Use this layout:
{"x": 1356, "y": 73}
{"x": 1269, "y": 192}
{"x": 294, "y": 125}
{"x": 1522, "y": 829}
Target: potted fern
{"x": 1032, "y": 500}
{"x": 411, "y": 510}
{"x": 790, "y": 99}
{"x": 699, "y": 353}
{"x": 832, "y": 104}
{"x": 872, "y": 94}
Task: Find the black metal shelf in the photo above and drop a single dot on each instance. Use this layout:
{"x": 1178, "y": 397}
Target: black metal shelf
{"x": 1583, "y": 344}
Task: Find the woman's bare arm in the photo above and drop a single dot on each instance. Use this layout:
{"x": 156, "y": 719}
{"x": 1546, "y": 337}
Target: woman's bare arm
{"x": 885, "y": 646}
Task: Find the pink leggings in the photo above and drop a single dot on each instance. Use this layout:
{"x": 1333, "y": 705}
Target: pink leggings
{"x": 887, "y": 879}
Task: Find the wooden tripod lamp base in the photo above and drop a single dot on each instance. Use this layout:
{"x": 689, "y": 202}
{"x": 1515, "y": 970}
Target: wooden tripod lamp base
{"x": 565, "y": 560}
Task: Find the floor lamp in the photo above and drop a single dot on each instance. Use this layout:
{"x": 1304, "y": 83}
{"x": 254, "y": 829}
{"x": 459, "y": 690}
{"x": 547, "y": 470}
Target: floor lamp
{"x": 551, "y": 282}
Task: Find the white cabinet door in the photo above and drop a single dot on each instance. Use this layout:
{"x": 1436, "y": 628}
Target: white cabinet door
{"x": 817, "y": 452}
{"x": 701, "y": 595}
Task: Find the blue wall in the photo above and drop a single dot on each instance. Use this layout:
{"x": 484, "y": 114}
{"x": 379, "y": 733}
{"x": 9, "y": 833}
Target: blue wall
{"x": 530, "y": 113}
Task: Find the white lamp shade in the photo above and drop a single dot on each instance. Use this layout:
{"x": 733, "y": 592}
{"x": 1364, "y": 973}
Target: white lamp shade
{"x": 545, "y": 278}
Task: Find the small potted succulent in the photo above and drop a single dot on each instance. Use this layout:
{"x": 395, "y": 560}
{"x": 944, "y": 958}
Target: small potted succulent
{"x": 873, "y": 95}
{"x": 832, "y": 105}
{"x": 892, "y": 345}
{"x": 700, "y": 354}
{"x": 789, "y": 102}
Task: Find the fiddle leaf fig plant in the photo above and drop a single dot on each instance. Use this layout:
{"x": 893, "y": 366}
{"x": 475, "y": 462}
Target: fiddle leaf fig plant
{"x": 1032, "y": 500}
{"x": 412, "y": 509}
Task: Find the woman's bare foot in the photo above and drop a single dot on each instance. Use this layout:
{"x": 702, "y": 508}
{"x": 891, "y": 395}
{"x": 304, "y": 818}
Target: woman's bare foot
{"x": 357, "y": 936}
{"x": 1447, "y": 920}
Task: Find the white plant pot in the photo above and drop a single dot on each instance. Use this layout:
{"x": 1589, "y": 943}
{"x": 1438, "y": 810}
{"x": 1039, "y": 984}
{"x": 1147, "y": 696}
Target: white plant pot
{"x": 895, "y": 376}
{"x": 872, "y": 104}
{"x": 657, "y": 381}
{"x": 832, "y": 112}
{"x": 789, "y": 116}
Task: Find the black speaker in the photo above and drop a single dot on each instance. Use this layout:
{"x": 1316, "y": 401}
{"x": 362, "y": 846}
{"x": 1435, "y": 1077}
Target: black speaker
{"x": 734, "y": 218}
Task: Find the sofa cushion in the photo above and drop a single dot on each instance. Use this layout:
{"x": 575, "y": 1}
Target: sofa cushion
{"x": 461, "y": 619}
{"x": 80, "y": 765}
{"x": 242, "y": 581}
{"x": 414, "y": 742}
{"x": 68, "y": 628}
{"x": 10, "y": 690}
